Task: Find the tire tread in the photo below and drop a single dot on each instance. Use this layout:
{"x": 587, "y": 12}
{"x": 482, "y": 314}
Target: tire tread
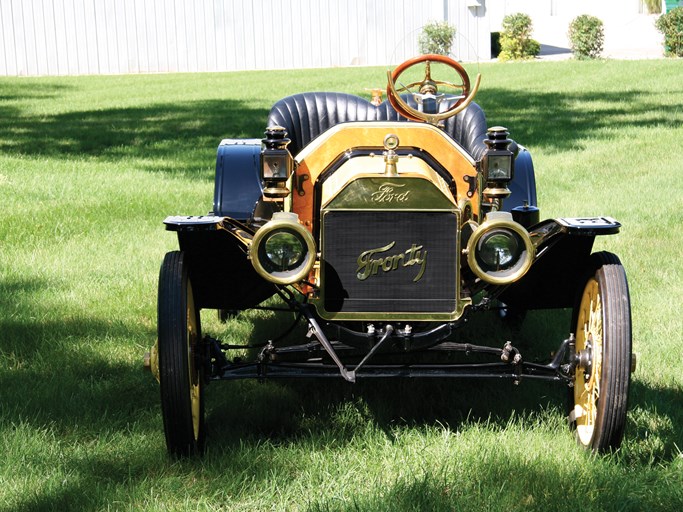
{"x": 173, "y": 363}
{"x": 615, "y": 379}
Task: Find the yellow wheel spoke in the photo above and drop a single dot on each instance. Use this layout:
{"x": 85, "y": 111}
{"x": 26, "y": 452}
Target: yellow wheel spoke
{"x": 192, "y": 343}
{"x": 587, "y": 380}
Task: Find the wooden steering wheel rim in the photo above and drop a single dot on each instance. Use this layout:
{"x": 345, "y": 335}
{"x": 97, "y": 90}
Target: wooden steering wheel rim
{"x": 402, "y": 108}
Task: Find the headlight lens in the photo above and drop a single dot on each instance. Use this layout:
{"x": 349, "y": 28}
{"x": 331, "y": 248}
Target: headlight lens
{"x": 500, "y": 250}
{"x": 283, "y": 251}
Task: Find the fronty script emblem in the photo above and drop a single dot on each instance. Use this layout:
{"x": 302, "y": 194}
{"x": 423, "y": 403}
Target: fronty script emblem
{"x": 369, "y": 263}
{"x": 387, "y": 193}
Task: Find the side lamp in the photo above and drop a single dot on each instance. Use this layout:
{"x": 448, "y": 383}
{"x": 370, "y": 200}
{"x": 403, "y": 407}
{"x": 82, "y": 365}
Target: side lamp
{"x": 497, "y": 163}
{"x": 277, "y": 163}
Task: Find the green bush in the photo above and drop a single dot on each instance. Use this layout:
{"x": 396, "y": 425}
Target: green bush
{"x": 515, "y": 39}
{"x": 586, "y": 36}
{"x": 671, "y": 25}
{"x": 436, "y": 37}
{"x": 533, "y": 48}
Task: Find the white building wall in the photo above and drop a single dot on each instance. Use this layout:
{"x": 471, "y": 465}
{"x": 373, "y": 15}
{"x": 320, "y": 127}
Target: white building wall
{"x": 67, "y": 37}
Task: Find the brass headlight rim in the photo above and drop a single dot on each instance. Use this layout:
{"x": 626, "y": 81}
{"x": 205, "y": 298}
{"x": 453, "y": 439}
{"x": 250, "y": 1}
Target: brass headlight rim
{"x": 487, "y": 227}
{"x": 289, "y": 276}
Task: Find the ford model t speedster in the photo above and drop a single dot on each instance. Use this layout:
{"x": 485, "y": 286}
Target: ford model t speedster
{"x": 384, "y": 226}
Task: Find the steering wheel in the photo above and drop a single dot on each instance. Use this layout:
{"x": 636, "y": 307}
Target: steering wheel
{"x": 428, "y": 89}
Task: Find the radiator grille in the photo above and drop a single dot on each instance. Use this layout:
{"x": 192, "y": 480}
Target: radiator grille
{"x": 389, "y": 262}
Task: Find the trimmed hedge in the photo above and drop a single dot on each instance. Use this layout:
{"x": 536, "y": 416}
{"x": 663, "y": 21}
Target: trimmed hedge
{"x": 436, "y": 37}
{"x": 586, "y": 36}
{"x": 671, "y": 25}
{"x": 515, "y": 39}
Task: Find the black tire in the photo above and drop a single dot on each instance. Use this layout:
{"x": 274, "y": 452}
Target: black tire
{"x": 602, "y": 323}
{"x": 180, "y": 371}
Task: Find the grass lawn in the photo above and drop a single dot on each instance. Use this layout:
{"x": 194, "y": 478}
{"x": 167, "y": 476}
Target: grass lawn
{"x": 90, "y": 166}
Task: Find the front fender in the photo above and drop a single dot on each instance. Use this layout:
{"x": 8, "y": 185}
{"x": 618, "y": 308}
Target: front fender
{"x": 563, "y": 249}
{"x": 221, "y": 273}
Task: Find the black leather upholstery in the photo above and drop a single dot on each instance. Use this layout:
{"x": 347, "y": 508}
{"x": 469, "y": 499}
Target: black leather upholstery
{"x": 307, "y": 115}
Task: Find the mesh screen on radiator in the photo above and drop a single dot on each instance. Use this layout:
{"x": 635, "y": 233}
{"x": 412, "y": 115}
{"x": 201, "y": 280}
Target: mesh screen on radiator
{"x": 389, "y": 261}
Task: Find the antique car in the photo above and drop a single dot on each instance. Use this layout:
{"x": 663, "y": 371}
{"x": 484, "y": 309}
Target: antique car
{"x": 385, "y": 225}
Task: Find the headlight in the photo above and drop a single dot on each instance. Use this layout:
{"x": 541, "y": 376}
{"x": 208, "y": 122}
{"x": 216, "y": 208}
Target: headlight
{"x": 500, "y": 250}
{"x": 283, "y": 251}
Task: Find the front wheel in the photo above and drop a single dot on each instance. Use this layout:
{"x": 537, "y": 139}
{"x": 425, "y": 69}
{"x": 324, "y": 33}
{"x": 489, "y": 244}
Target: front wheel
{"x": 603, "y": 348}
{"x": 180, "y": 371}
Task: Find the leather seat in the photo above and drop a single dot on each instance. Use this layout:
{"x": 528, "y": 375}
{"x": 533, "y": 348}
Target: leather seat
{"x": 307, "y": 115}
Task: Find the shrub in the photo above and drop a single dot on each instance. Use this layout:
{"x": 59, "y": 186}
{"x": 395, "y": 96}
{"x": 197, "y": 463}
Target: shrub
{"x": 515, "y": 39}
{"x": 671, "y": 25}
{"x": 436, "y": 37}
{"x": 586, "y": 36}
{"x": 533, "y": 48}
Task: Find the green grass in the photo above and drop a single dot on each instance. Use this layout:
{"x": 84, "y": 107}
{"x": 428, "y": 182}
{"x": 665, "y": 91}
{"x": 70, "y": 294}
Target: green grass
{"x": 90, "y": 166}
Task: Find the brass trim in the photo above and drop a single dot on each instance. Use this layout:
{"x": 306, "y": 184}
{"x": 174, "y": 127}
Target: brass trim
{"x": 331, "y": 145}
{"x": 423, "y": 136}
{"x": 235, "y": 229}
{"x": 465, "y": 206}
{"x": 395, "y": 316}
{"x": 461, "y": 302}
{"x": 151, "y": 360}
{"x": 373, "y": 167}
{"x": 288, "y": 221}
{"x": 419, "y": 210}
{"x": 390, "y": 141}
{"x": 497, "y": 221}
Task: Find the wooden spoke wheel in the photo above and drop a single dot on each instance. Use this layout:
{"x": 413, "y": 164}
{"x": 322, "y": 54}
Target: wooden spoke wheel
{"x": 180, "y": 369}
{"x": 603, "y": 348}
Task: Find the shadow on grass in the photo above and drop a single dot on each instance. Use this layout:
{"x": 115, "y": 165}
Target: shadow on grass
{"x": 57, "y": 370}
{"x": 502, "y": 482}
{"x": 17, "y": 91}
{"x": 282, "y": 410}
{"x": 655, "y": 424}
{"x": 285, "y": 411}
{"x": 53, "y": 383}
{"x": 71, "y": 401}
{"x": 561, "y": 121}
{"x": 183, "y": 136}
{"x": 164, "y": 137}
{"x": 58, "y": 382}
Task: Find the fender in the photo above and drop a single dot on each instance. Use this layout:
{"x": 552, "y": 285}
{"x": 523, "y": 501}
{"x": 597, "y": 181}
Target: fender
{"x": 222, "y": 276}
{"x": 523, "y": 185}
{"x": 237, "y": 186}
{"x": 216, "y": 252}
{"x": 563, "y": 252}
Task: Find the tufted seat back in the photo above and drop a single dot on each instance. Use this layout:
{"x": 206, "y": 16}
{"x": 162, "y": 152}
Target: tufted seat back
{"x": 307, "y": 115}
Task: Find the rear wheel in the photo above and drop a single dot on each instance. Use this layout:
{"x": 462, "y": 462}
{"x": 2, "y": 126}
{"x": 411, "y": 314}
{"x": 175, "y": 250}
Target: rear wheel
{"x": 180, "y": 371}
{"x": 602, "y": 321}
